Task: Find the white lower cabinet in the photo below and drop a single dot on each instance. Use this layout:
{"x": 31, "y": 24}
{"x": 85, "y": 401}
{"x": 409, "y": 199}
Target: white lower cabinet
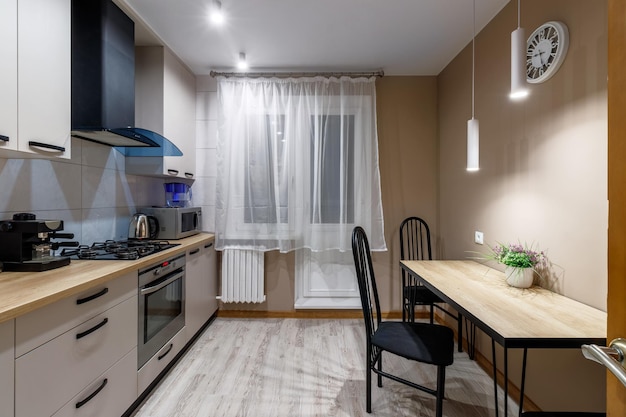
{"x": 7, "y": 363}
{"x": 200, "y": 287}
{"x": 58, "y": 370}
{"x": 62, "y": 349}
{"x": 109, "y": 395}
{"x": 36, "y": 328}
{"x": 160, "y": 360}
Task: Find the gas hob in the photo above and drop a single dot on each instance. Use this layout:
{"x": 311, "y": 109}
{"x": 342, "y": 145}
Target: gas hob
{"x": 118, "y": 249}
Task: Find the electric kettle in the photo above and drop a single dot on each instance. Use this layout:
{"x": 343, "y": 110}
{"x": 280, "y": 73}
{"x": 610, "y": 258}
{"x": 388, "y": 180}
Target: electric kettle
{"x": 143, "y": 226}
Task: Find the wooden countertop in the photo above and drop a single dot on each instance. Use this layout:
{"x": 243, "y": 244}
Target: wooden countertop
{"x": 23, "y": 292}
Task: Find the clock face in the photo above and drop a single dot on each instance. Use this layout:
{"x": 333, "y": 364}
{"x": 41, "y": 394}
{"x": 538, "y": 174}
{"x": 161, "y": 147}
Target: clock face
{"x": 545, "y": 51}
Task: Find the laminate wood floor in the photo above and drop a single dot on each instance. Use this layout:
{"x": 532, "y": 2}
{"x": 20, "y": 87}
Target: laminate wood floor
{"x": 305, "y": 368}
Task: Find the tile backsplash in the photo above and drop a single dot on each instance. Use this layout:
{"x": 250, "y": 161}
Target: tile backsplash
{"x": 91, "y": 193}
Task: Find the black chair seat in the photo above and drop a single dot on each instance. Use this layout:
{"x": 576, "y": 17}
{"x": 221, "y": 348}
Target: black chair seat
{"x": 421, "y": 342}
{"x": 419, "y": 294}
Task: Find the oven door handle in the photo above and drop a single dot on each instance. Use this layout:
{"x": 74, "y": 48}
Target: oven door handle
{"x": 157, "y": 287}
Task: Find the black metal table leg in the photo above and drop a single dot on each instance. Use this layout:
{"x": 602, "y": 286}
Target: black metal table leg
{"x": 495, "y": 374}
{"x": 506, "y": 381}
{"x": 521, "y": 395}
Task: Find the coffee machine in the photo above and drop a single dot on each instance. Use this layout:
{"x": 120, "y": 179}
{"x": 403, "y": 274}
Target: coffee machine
{"x": 25, "y": 243}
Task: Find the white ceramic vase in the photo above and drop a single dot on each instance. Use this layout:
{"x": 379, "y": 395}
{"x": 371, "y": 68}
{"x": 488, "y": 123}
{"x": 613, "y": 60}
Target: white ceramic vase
{"x": 519, "y": 277}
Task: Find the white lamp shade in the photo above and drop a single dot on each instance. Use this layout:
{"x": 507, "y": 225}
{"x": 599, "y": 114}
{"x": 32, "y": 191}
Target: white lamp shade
{"x": 519, "y": 88}
{"x": 472, "y": 145}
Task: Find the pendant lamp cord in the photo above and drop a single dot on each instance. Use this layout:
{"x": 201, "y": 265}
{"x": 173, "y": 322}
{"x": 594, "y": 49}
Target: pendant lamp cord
{"x": 473, "y": 57}
{"x": 518, "y": 13}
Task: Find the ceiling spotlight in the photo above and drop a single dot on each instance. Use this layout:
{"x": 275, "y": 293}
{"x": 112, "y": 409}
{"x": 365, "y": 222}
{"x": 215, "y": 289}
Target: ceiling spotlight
{"x": 216, "y": 15}
{"x": 242, "y": 64}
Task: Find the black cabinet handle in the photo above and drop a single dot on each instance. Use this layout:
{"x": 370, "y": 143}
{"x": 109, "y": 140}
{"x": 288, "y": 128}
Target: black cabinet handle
{"x": 92, "y": 297}
{"x": 93, "y": 329}
{"x": 166, "y": 352}
{"x": 172, "y": 171}
{"x": 208, "y": 245}
{"x": 189, "y": 174}
{"x": 46, "y": 146}
{"x": 93, "y": 394}
{"x": 193, "y": 252}
{"x": 4, "y": 138}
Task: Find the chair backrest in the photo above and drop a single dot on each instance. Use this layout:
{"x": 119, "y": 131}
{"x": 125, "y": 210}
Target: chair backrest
{"x": 415, "y": 239}
{"x": 414, "y": 242}
{"x": 367, "y": 282}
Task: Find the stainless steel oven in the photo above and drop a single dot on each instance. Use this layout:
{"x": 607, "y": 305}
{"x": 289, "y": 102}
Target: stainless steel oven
{"x": 161, "y": 306}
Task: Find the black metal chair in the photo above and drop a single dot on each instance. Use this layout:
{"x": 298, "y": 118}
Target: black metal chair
{"x": 415, "y": 245}
{"x": 422, "y": 342}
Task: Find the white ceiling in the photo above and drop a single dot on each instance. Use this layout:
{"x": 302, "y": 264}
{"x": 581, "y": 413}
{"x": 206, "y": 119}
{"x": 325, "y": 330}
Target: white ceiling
{"x": 400, "y": 37}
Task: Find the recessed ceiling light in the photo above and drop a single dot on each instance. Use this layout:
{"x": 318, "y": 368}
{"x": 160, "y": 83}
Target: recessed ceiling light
{"x": 242, "y": 64}
{"x": 216, "y": 15}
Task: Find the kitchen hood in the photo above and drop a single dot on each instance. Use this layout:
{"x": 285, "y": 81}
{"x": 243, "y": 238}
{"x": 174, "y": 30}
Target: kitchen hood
{"x": 103, "y": 81}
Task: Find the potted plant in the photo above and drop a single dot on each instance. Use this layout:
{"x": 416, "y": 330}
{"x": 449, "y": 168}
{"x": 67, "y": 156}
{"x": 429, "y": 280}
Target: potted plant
{"x": 521, "y": 262}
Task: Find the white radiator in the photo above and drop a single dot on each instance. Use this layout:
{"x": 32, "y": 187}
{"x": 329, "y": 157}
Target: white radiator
{"x": 243, "y": 276}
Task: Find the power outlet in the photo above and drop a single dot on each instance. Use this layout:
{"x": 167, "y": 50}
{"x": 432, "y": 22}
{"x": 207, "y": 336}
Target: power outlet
{"x": 478, "y": 237}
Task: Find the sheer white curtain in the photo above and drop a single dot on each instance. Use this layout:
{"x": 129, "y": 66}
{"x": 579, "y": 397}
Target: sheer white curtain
{"x": 297, "y": 164}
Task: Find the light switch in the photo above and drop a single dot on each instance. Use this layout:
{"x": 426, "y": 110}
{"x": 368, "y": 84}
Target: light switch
{"x": 478, "y": 237}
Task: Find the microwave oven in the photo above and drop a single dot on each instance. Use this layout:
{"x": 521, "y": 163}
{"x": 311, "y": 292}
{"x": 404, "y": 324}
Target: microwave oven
{"x": 175, "y": 222}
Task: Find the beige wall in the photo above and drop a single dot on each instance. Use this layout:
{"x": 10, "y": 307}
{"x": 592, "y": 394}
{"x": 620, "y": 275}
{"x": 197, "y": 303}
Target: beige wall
{"x": 543, "y": 176}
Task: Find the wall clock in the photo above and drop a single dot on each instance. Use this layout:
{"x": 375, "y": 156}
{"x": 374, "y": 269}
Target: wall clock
{"x": 545, "y": 51}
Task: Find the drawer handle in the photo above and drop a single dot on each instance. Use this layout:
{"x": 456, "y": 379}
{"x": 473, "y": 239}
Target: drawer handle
{"x": 93, "y": 394}
{"x": 193, "y": 252}
{"x": 92, "y": 297}
{"x": 172, "y": 171}
{"x": 4, "y": 138}
{"x": 169, "y": 349}
{"x": 188, "y": 174}
{"x": 93, "y": 329}
{"x": 208, "y": 245}
{"x": 46, "y": 146}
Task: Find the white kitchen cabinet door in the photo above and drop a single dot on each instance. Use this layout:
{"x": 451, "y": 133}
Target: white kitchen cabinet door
{"x": 109, "y": 395}
{"x": 44, "y": 324}
{"x": 198, "y": 302}
{"x": 180, "y": 115}
{"x": 44, "y": 71}
{"x": 7, "y": 367}
{"x": 65, "y": 366}
{"x": 8, "y": 74}
{"x": 165, "y": 102}
{"x": 151, "y": 370}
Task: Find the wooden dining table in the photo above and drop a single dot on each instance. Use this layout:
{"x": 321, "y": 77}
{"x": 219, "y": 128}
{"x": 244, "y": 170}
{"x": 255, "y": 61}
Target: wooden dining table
{"x": 513, "y": 317}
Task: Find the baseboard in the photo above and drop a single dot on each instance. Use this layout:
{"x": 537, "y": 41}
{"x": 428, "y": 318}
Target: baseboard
{"x": 307, "y": 314}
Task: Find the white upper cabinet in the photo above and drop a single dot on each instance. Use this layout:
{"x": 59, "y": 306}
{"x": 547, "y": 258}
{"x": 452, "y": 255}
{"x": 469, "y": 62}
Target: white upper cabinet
{"x": 40, "y": 67}
{"x": 8, "y": 74}
{"x": 165, "y": 102}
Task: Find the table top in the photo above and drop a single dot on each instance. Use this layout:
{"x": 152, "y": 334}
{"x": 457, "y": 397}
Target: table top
{"x": 513, "y": 317}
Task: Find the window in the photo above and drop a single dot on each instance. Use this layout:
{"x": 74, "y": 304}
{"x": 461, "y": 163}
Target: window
{"x": 332, "y": 165}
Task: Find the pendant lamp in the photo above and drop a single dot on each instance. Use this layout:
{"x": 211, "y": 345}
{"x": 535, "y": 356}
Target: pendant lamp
{"x": 519, "y": 88}
{"x": 472, "y": 124}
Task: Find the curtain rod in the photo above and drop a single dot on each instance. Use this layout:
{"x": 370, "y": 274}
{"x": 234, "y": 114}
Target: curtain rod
{"x": 296, "y": 74}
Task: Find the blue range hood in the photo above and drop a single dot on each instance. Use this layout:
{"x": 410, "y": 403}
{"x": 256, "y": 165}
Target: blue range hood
{"x": 103, "y": 81}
